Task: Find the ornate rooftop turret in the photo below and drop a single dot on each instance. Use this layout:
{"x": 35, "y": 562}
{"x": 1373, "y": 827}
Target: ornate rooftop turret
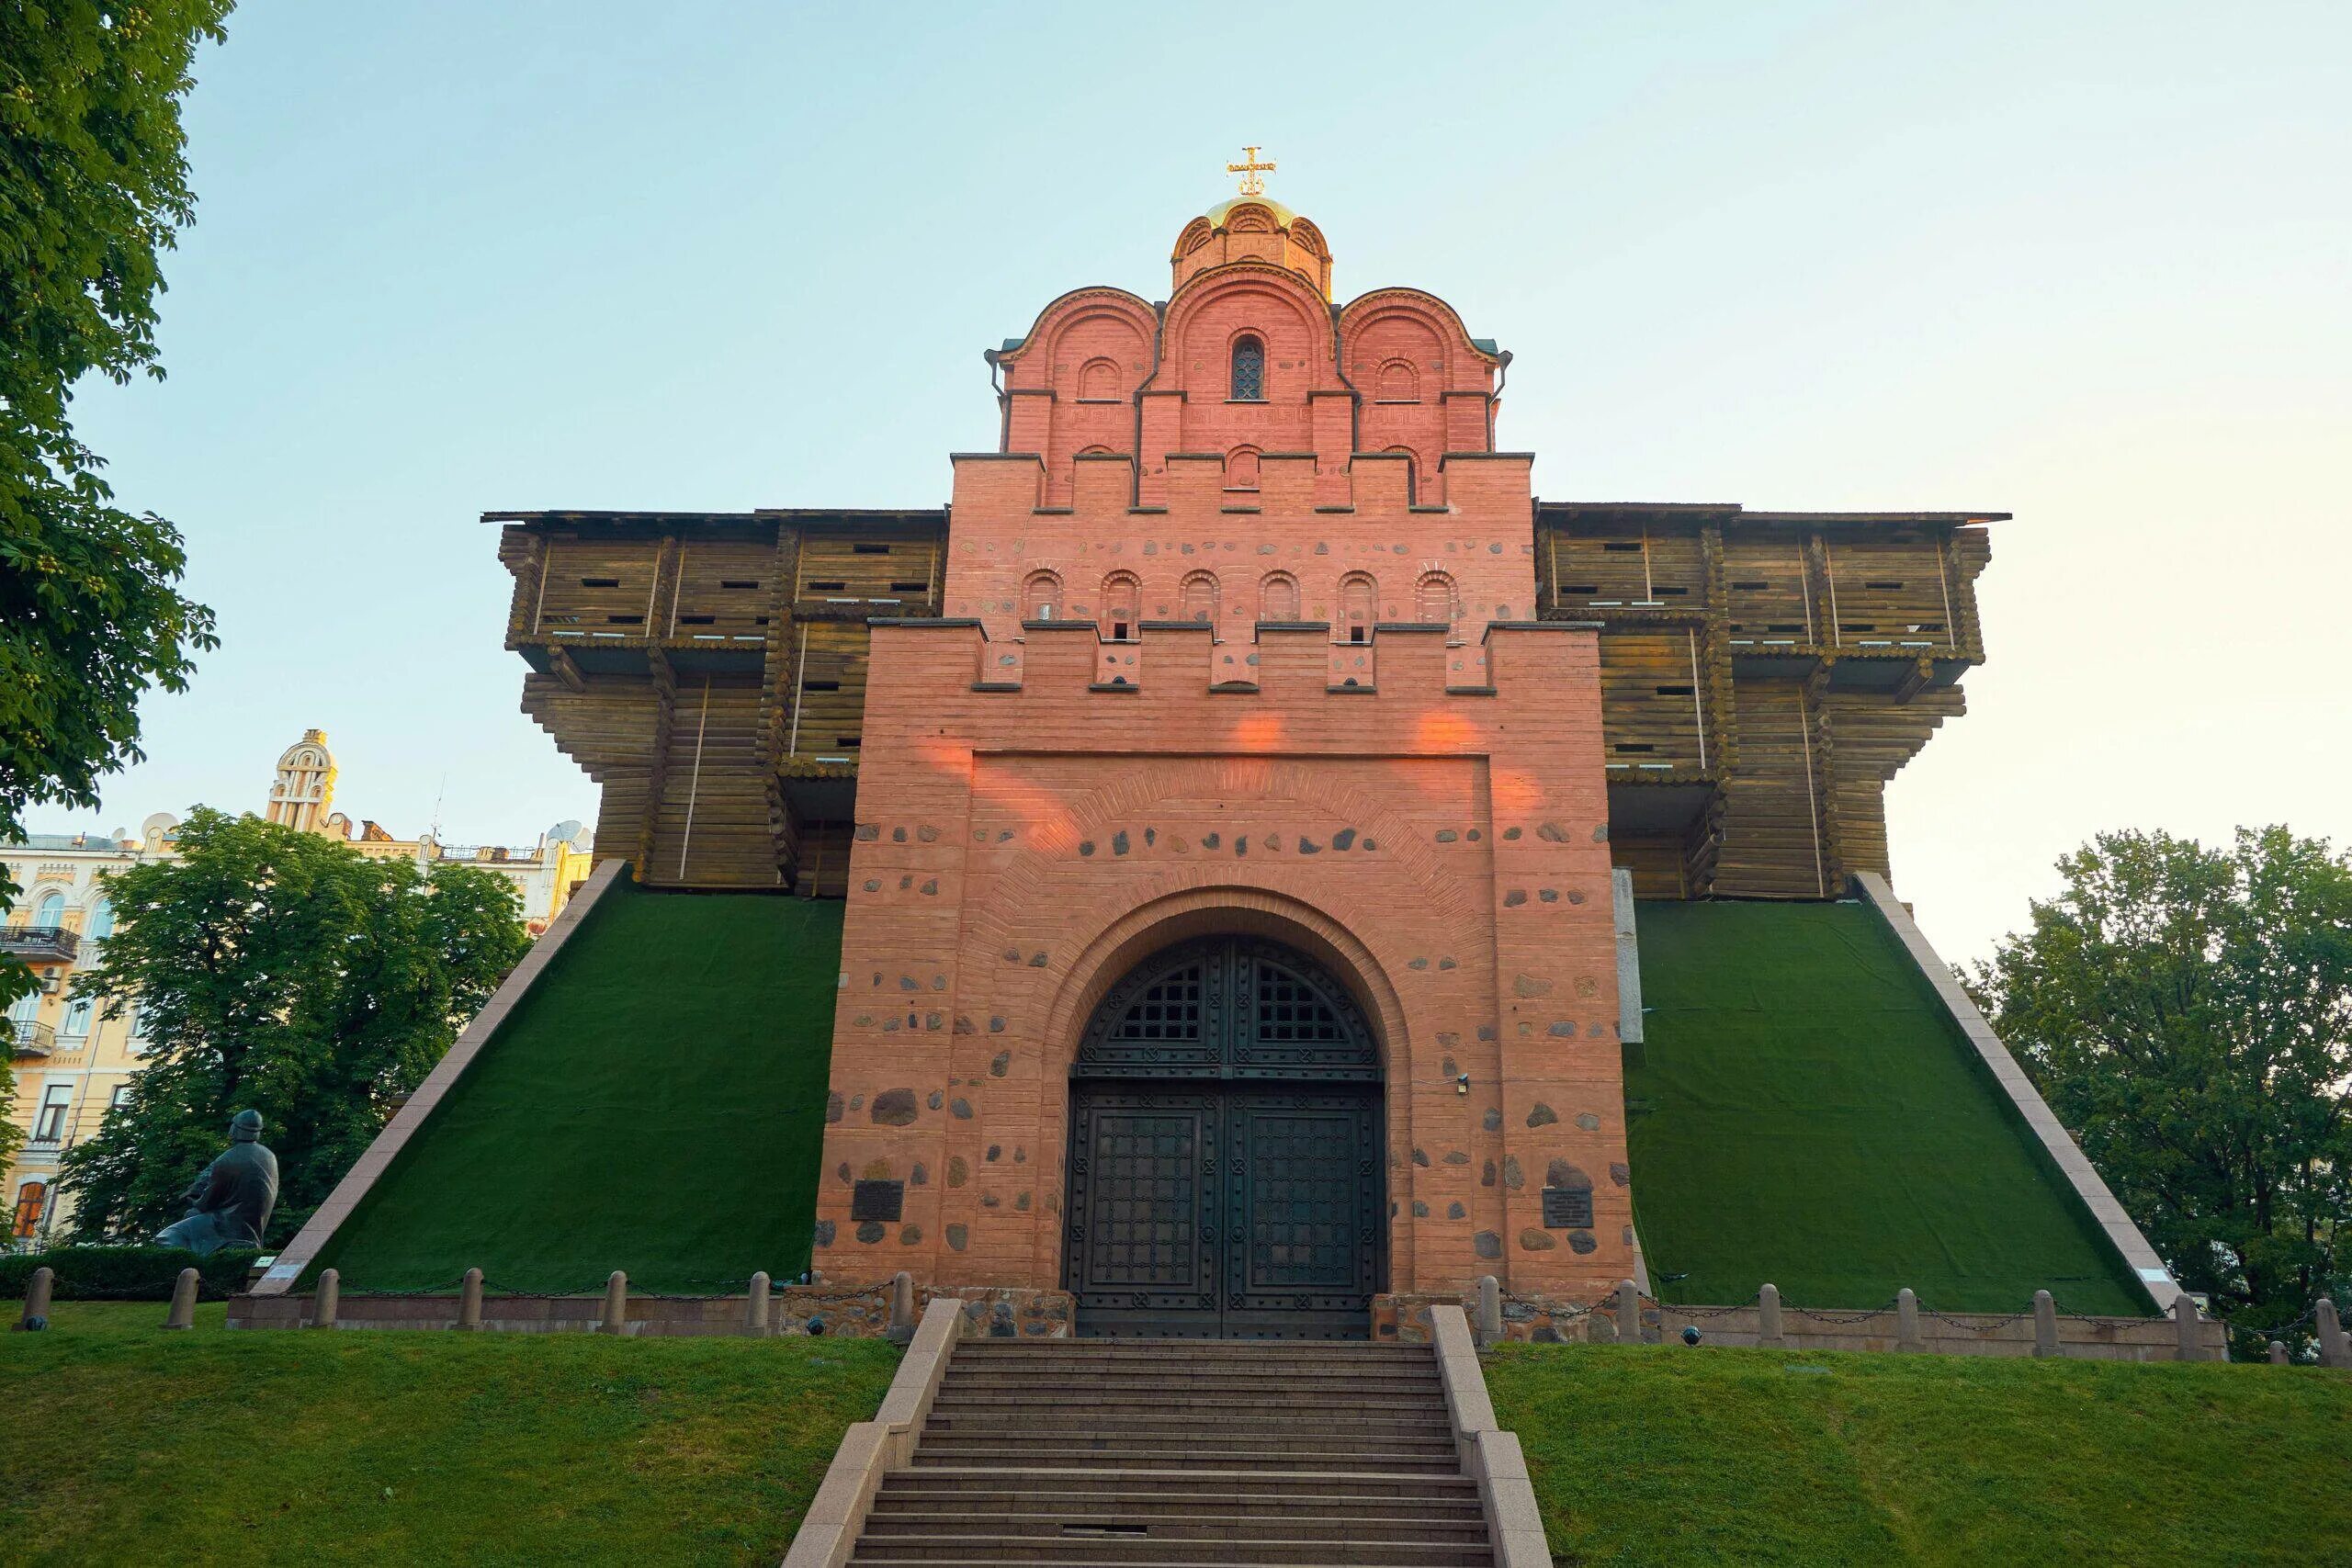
{"x": 1252, "y": 228}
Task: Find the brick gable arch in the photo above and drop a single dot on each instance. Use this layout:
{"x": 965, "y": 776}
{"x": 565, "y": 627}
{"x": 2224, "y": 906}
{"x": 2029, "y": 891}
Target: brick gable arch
{"x": 1215, "y": 306}
{"x": 1363, "y": 319}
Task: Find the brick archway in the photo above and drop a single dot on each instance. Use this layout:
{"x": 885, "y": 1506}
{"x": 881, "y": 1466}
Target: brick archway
{"x": 1236, "y": 909}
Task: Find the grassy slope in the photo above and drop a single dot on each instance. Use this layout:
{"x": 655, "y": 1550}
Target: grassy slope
{"x": 127, "y": 1445}
{"x": 1808, "y": 1114}
{"x": 1664, "y": 1455}
{"x": 656, "y": 1104}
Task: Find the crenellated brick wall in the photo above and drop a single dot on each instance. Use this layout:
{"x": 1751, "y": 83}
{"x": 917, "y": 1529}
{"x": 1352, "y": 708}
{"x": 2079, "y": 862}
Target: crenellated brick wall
{"x": 1026, "y": 835}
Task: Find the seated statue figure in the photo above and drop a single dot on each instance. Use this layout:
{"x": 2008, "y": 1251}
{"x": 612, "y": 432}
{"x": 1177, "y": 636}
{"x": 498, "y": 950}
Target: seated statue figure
{"x": 229, "y": 1205}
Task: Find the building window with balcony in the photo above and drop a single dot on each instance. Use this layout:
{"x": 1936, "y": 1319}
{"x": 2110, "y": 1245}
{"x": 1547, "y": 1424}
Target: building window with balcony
{"x": 51, "y": 911}
{"x": 49, "y": 1122}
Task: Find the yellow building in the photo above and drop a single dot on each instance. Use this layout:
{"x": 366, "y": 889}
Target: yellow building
{"x": 70, "y": 1063}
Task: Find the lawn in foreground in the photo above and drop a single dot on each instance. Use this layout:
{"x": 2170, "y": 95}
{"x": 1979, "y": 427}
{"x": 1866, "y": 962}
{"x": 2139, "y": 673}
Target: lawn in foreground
{"x": 1670, "y": 1455}
{"x": 126, "y": 1444}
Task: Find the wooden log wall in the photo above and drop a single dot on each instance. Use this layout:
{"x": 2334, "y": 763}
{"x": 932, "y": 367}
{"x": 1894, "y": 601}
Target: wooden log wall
{"x": 1826, "y": 654}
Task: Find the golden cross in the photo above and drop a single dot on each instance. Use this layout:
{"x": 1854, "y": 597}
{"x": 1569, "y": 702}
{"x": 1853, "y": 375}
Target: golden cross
{"x": 1250, "y": 171}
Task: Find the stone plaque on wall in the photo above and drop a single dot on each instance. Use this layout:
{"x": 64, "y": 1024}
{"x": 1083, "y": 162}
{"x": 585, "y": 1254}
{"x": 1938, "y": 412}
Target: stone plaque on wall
{"x": 1565, "y": 1208}
{"x": 877, "y": 1199}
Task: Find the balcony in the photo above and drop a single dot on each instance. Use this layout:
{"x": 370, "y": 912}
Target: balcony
{"x": 40, "y": 945}
{"x": 31, "y": 1038}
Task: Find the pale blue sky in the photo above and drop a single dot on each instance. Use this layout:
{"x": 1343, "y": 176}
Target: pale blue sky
{"x": 2088, "y": 263}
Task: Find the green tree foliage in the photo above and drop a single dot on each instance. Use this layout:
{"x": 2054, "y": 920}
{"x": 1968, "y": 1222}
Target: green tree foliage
{"x": 92, "y": 188}
{"x": 2188, "y": 1012}
{"x": 287, "y": 972}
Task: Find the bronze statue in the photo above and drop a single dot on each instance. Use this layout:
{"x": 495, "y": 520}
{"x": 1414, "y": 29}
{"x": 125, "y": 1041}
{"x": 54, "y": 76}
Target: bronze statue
{"x": 229, "y": 1205}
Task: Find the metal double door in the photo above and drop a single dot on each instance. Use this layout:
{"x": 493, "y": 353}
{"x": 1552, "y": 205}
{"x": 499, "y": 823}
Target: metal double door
{"x": 1225, "y": 1210}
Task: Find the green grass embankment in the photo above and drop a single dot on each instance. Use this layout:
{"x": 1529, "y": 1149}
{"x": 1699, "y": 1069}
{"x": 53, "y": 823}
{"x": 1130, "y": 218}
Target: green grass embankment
{"x": 1805, "y": 1112}
{"x": 125, "y": 1444}
{"x": 655, "y": 1105}
{"x": 1664, "y": 1455}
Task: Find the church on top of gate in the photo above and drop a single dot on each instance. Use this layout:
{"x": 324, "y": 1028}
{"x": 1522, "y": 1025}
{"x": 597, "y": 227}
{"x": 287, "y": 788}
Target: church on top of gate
{"x": 1252, "y": 814}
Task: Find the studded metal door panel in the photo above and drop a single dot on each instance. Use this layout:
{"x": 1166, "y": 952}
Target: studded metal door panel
{"x": 1142, "y": 1238}
{"x": 1302, "y": 1205}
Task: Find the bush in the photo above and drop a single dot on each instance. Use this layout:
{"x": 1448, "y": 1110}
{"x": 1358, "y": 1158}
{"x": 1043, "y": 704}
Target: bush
{"x": 126, "y": 1273}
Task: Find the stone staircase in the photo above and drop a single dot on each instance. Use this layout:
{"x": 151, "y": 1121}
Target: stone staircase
{"x": 1180, "y": 1452}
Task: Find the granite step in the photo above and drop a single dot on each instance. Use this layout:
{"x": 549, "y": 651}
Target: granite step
{"x": 1201, "y": 1483}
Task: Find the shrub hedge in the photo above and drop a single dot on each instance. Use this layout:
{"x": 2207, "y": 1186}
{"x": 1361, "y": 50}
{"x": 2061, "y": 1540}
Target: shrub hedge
{"x": 125, "y": 1273}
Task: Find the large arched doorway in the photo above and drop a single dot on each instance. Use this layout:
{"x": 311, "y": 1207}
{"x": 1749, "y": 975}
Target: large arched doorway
{"x": 1225, "y": 1170}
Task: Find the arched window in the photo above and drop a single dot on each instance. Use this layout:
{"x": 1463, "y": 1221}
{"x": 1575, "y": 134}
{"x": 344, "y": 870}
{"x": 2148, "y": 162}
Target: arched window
{"x": 1433, "y": 599}
{"x": 1399, "y": 383}
{"x": 97, "y": 925}
{"x": 1241, "y": 468}
{"x": 1098, "y": 381}
{"x": 51, "y": 911}
{"x": 1357, "y": 598}
{"x": 1039, "y": 594}
{"x": 1248, "y": 381}
{"x": 1278, "y": 597}
{"x": 1199, "y": 599}
{"x": 1120, "y": 593}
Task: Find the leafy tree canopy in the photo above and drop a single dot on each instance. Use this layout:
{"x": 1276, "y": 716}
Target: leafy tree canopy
{"x": 2188, "y": 1011}
{"x": 289, "y": 973}
{"x": 92, "y": 188}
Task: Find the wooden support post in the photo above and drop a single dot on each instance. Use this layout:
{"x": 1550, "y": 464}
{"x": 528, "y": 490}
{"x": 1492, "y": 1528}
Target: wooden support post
{"x": 2184, "y": 1317}
{"x": 470, "y": 1300}
{"x": 616, "y": 1305}
{"x": 35, "y": 1317}
{"x": 2045, "y": 1325}
{"x": 327, "y": 1300}
{"x": 1629, "y": 1312}
{"x": 1768, "y": 1319}
{"x": 1906, "y": 1321}
{"x": 1490, "y": 1310}
{"x": 183, "y": 1311}
{"x": 755, "y": 1309}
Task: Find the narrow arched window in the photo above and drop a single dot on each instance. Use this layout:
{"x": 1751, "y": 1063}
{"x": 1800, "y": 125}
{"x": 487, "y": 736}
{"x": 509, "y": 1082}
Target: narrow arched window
{"x": 98, "y": 924}
{"x": 1241, "y": 468}
{"x": 51, "y": 911}
{"x": 1249, "y": 383}
{"x": 1199, "y": 597}
{"x": 1039, "y": 595}
{"x": 1433, "y": 599}
{"x": 1120, "y": 593}
{"x": 1278, "y": 597}
{"x": 1357, "y": 597}
{"x": 1098, "y": 380}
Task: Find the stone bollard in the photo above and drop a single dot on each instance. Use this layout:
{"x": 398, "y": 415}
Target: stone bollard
{"x": 1768, "y": 1319}
{"x": 2045, "y": 1325}
{"x": 327, "y": 1300}
{"x": 2184, "y": 1318}
{"x": 37, "y": 1290}
{"x": 1906, "y": 1321}
{"x": 2277, "y": 1354}
{"x": 2334, "y": 1350}
{"x": 470, "y": 1300}
{"x": 902, "y": 1307}
{"x": 755, "y": 1309}
{"x": 1490, "y": 1310}
{"x": 616, "y": 1305}
{"x": 183, "y": 1313}
{"x": 1629, "y": 1312}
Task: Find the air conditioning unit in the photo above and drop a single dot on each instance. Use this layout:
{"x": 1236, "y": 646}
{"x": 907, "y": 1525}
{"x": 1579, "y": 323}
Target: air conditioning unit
{"x": 50, "y": 983}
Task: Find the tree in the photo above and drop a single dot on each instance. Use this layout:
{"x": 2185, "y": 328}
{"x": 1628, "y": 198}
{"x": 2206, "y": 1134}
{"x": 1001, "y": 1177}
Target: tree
{"x": 92, "y": 188}
{"x": 287, "y": 971}
{"x": 2188, "y": 1012}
